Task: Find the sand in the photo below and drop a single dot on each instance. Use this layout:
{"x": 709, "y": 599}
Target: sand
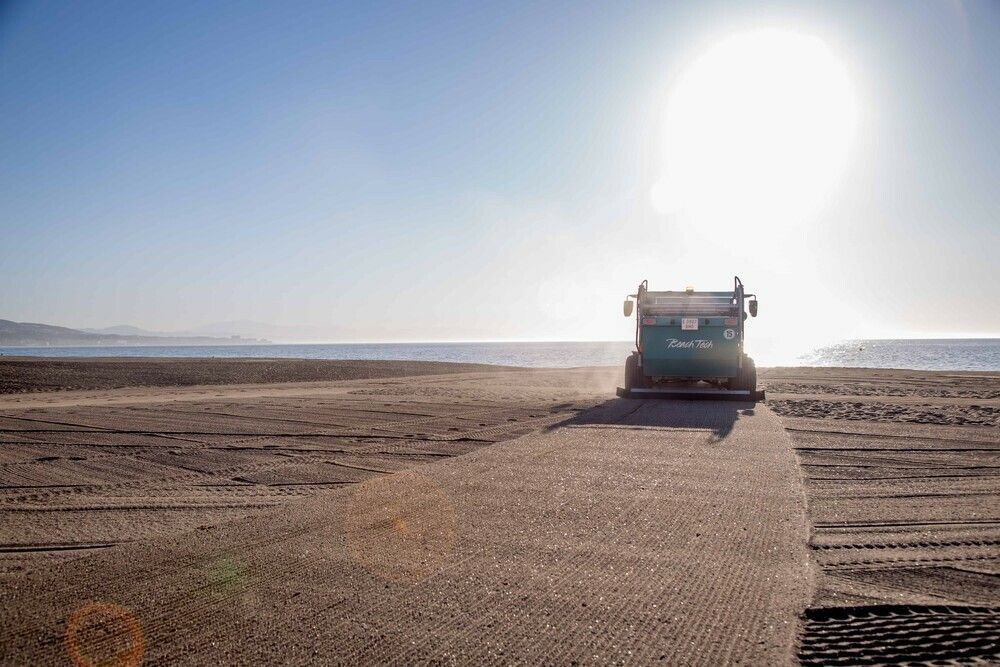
{"x": 31, "y": 374}
{"x": 902, "y": 472}
{"x": 383, "y": 511}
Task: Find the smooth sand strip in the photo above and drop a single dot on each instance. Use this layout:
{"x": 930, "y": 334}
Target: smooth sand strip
{"x": 639, "y": 531}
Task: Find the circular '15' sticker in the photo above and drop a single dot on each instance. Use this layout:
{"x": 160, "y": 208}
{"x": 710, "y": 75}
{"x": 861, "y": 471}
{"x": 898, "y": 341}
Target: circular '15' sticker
{"x": 729, "y": 334}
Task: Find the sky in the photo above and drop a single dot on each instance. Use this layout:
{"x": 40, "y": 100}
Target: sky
{"x": 508, "y": 171}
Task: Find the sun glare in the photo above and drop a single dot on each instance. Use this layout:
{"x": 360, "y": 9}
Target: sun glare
{"x": 759, "y": 127}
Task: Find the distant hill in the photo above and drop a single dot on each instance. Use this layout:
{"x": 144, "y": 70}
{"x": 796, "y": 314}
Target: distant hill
{"x": 128, "y": 330}
{"x": 30, "y": 334}
{"x": 278, "y": 332}
{"x": 230, "y": 329}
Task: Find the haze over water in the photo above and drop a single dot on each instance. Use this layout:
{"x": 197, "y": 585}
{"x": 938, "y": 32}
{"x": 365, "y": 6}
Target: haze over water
{"x": 943, "y": 354}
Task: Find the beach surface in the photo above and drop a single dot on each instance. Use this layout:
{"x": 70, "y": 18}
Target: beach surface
{"x": 304, "y": 511}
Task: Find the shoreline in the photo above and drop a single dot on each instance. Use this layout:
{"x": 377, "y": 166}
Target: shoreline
{"x": 979, "y": 354}
{"x": 40, "y": 374}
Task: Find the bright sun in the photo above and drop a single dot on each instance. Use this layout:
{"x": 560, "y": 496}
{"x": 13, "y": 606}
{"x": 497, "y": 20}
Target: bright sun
{"x": 758, "y": 128}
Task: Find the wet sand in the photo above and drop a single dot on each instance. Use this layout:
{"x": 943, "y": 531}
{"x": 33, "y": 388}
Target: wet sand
{"x": 33, "y": 374}
{"x": 301, "y": 511}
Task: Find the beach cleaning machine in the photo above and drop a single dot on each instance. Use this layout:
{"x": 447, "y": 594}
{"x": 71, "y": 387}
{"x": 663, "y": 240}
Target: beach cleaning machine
{"x": 690, "y": 345}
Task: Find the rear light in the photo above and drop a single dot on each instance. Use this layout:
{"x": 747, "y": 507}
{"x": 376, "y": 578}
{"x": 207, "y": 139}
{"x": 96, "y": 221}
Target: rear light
{"x": 649, "y": 320}
{"x": 731, "y": 321}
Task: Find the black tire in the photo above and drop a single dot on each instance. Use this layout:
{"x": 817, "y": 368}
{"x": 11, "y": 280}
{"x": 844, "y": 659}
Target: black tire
{"x": 632, "y": 371}
{"x": 746, "y": 377}
{"x": 750, "y": 374}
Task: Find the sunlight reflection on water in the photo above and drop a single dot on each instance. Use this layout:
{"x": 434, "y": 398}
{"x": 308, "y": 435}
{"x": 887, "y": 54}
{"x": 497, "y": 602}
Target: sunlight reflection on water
{"x": 944, "y": 354}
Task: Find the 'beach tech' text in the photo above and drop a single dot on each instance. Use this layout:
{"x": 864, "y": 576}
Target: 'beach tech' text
{"x": 699, "y": 344}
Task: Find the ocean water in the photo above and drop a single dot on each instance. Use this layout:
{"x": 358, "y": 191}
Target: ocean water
{"x": 947, "y": 354}
{"x": 554, "y": 355}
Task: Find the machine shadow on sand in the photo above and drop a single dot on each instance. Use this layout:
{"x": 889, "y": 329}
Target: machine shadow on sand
{"x": 719, "y": 417}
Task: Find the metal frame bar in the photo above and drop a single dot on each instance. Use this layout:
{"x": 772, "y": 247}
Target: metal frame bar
{"x": 693, "y": 393}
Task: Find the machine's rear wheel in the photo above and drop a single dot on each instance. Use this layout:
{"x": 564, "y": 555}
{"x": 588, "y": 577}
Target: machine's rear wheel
{"x": 751, "y": 375}
{"x": 633, "y": 377}
{"x": 746, "y": 378}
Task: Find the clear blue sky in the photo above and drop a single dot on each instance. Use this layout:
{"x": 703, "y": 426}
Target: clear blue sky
{"x": 446, "y": 171}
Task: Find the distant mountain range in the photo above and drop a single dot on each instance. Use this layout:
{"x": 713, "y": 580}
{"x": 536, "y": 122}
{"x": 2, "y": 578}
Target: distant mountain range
{"x": 276, "y": 332}
{"x": 32, "y": 334}
{"x": 240, "y": 328}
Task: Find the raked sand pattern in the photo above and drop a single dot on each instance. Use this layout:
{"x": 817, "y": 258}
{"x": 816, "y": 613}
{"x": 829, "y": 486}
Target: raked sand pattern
{"x": 502, "y": 515}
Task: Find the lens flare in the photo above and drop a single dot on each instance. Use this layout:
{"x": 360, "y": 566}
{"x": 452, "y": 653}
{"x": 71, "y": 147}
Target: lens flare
{"x": 102, "y": 633}
{"x": 400, "y": 527}
{"x": 226, "y": 577}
